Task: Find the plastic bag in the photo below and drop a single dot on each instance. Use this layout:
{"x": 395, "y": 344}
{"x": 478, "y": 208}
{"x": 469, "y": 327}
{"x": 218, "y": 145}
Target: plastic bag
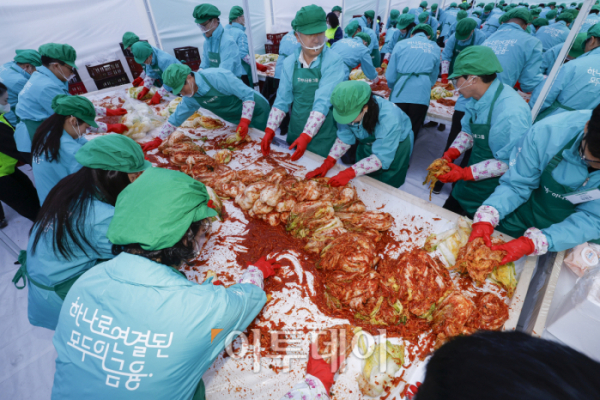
{"x": 170, "y": 109}
{"x": 583, "y": 257}
{"x": 140, "y": 119}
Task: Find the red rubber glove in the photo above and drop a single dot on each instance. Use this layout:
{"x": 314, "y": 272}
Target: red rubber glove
{"x": 343, "y": 177}
{"x": 155, "y": 99}
{"x": 242, "y": 127}
{"x": 445, "y": 79}
{"x": 217, "y": 283}
{"x": 265, "y": 145}
{"x": 412, "y": 390}
{"x": 151, "y": 145}
{"x": 261, "y": 67}
{"x": 300, "y": 144}
{"x": 457, "y": 174}
{"x": 452, "y": 154}
{"x": 267, "y": 267}
{"x": 116, "y": 128}
{"x": 113, "y": 112}
{"x": 482, "y": 230}
{"x": 318, "y": 368}
{"x": 517, "y": 86}
{"x": 143, "y": 93}
{"x": 515, "y": 249}
{"x": 322, "y": 170}
{"x": 137, "y": 81}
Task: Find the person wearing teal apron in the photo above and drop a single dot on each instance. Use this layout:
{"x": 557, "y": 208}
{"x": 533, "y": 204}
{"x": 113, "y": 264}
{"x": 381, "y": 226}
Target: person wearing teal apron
{"x": 155, "y": 62}
{"x": 216, "y": 90}
{"x": 137, "y": 311}
{"x": 220, "y": 49}
{"x": 549, "y": 199}
{"x": 307, "y": 80}
{"x": 466, "y": 35}
{"x": 237, "y": 30}
{"x": 496, "y": 118}
{"x": 382, "y": 130}
{"x": 15, "y": 74}
{"x": 69, "y": 235}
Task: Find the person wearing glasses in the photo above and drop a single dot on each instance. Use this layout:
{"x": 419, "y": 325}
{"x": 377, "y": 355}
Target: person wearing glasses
{"x": 220, "y": 49}
{"x": 550, "y": 198}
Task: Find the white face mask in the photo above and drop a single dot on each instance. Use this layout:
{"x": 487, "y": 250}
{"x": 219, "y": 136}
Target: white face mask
{"x": 67, "y": 78}
{"x": 4, "y": 109}
{"x": 467, "y": 83}
{"x": 79, "y": 135}
{"x": 312, "y": 48}
{"x": 206, "y": 29}
{"x": 192, "y": 92}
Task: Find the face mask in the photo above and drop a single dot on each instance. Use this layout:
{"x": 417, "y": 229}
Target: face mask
{"x": 5, "y": 109}
{"x": 355, "y": 124}
{"x": 192, "y": 92}
{"x": 312, "y": 48}
{"x": 208, "y": 28}
{"x": 202, "y": 236}
{"x": 79, "y": 135}
{"x": 61, "y": 74}
{"x": 467, "y": 83}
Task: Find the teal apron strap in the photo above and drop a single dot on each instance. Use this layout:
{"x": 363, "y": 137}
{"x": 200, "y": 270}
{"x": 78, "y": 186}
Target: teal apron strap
{"x": 408, "y": 76}
{"x": 23, "y": 274}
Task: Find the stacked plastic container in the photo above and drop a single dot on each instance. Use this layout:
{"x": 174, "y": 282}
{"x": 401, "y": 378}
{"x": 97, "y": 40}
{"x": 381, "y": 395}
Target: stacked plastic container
{"x": 189, "y": 56}
{"x": 76, "y": 86}
{"x": 109, "y": 74}
{"x": 273, "y": 40}
{"x": 135, "y": 68}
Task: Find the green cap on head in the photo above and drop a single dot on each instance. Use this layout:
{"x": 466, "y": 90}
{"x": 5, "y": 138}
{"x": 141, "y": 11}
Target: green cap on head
{"x": 77, "y": 106}
{"x": 175, "y": 76}
{"x": 551, "y": 14}
{"x": 141, "y": 51}
{"x": 481, "y": 5}
{"x": 28, "y": 57}
{"x": 405, "y": 10}
{"x": 578, "y": 45}
{"x": 596, "y": 7}
{"x": 521, "y": 13}
{"x": 464, "y": 28}
{"x": 488, "y": 7}
{"x": 462, "y": 14}
{"x": 463, "y": 6}
{"x": 205, "y": 12}
{"x": 423, "y": 17}
{"x": 129, "y": 38}
{"x": 336, "y": 8}
{"x": 476, "y": 60}
{"x": 310, "y": 20}
{"x": 351, "y": 28}
{"x": 180, "y": 199}
{"x": 348, "y": 99}
{"x": 423, "y": 27}
{"x": 364, "y": 36}
{"x": 236, "y": 12}
{"x": 404, "y": 21}
{"x": 539, "y": 22}
{"x": 579, "y": 5}
{"x": 536, "y": 12}
{"x": 594, "y": 31}
{"x": 477, "y": 12}
{"x": 565, "y": 16}
{"x": 434, "y": 7}
{"x": 423, "y": 4}
{"x": 504, "y": 18}
{"x": 552, "y": 3}
{"x": 394, "y": 14}
{"x": 452, "y": 5}
{"x": 61, "y": 52}
{"x": 370, "y": 14}
{"x": 113, "y": 153}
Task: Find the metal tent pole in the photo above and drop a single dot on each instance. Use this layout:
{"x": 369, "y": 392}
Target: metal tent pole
{"x": 250, "y": 43}
{"x": 153, "y": 24}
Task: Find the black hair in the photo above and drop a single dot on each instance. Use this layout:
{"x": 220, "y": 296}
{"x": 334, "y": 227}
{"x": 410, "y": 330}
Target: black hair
{"x": 46, "y": 139}
{"x": 410, "y": 27}
{"x": 66, "y": 208}
{"x": 509, "y": 365}
{"x": 46, "y": 61}
{"x": 419, "y": 31}
{"x": 594, "y": 11}
{"x": 484, "y": 78}
{"x": 371, "y": 117}
{"x": 3, "y": 88}
{"x": 393, "y": 23}
{"x": 334, "y": 21}
{"x": 592, "y": 139}
{"x": 172, "y": 256}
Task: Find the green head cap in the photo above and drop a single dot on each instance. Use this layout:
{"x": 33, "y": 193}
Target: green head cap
{"x": 434, "y": 7}
{"x": 129, "y": 38}
{"x": 141, "y": 51}
{"x": 462, "y": 14}
{"x": 464, "y": 28}
{"x": 404, "y": 21}
{"x": 61, "y": 52}
{"x": 348, "y": 99}
{"x": 488, "y": 7}
{"x": 28, "y": 57}
{"x": 236, "y": 12}
{"x": 425, "y": 28}
{"x": 423, "y": 5}
{"x": 175, "y": 76}
{"x": 77, "y": 106}
{"x": 551, "y": 14}
{"x": 405, "y": 10}
{"x": 578, "y": 45}
{"x": 394, "y": 14}
{"x": 552, "y": 3}
{"x": 536, "y": 12}
{"x": 452, "y": 5}
{"x": 565, "y": 16}
{"x": 180, "y": 199}
{"x": 205, "y": 12}
{"x": 113, "y": 153}
{"x": 310, "y": 20}
{"x": 351, "y": 28}
{"x": 594, "y": 31}
{"x": 336, "y": 8}
{"x": 521, "y": 13}
{"x": 423, "y": 17}
{"x": 370, "y": 14}
{"x": 477, "y": 12}
{"x": 463, "y": 6}
{"x": 596, "y": 8}
{"x": 539, "y": 22}
{"x": 476, "y": 60}
{"x": 364, "y": 36}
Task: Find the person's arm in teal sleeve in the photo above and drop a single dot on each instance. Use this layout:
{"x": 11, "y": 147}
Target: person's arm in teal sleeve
{"x": 102, "y": 245}
{"x": 47, "y": 95}
{"x": 385, "y": 144}
{"x": 531, "y": 76}
{"x": 435, "y": 72}
{"x": 229, "y": 55}
{"x": 366, "y": 64}
{"x": 165, "y": 60}
{"x": 508, "y": 130}
{"x": 565, "y": 75}
{"x": 391, "y": 74}
{"x": 536, "y": 93}
{"x": 285, "y": 96}
{"x": 243, "y": 45}
{"x": 434, "y": 25}
{"x": 205, "y": 62}
{"x": 345, "y": 134}
{"x": 331, "y": 75}
{"x": 578, "y": 228}
{"x": 466, "y": 122}
{"x": 449, "y": 49}
{"x": 184, "y": 110}
{"x": 228, "y": 84}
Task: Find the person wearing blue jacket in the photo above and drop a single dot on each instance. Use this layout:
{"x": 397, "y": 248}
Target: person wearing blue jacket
{"x": 47, "y": 82}
{"x": 391, "y": 38}
{"x": 69, "y": 234}
{"x": 357, "y": 25}
{"x": 404, "y": 25}
{"x": 447, "y": 20}
{"x": 520, "y": 54}
{"x": 135, "y": 325}
{"x": 476, "y": 15}
{"x": 459, "y": 17}
{"x": 155, "y": 62}
{"x": 592, "y": 19}
{"x": 491, "y": 25}
{"x": 214, "y": 89}
{"x": 369, "y": 20}
{"x": 237, "y": 30}
{"x": 550, "y": 57}
{"x": 539, "y": 200}
{"x": 287, "y": 47}
{"x": 381, "y": 130}
{"x": 15, "y": 74}
{"x": 412, "y": 71}
{"x": 487, "y": 12}
{"x": 394, "y": 15}
{"x": 495, "y": 119}
{"x": 576, "y": 86}
{"x": 220, "y": 49}
{"x": 308, "y": 79}
{"x": 426, "y": 18}
{"x": 556, "y": 33}
{"x": 417, "y": 11}
{"x": 354, "y": 52}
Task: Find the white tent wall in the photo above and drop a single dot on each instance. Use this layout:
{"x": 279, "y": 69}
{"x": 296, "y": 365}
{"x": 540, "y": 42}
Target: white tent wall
{"x": 176, "y": 26}
{"x": 93, "y": 28}
{"x": 285, "y": 11}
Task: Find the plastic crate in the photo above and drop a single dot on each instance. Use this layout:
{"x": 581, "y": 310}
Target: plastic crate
{"x": 111, "y": 82}
{"x": 275, "y": 38}
{"x": 135, "y": 68}
{"x": 77, "y": 88}
{"x": 76, "y": 78}
{"x": 272, "y": 48}
{"x": 128, "y": 53}
{"x": 106, "y": 70}
{"x": 194, "y": 65}
{"x": 187, "y": 54}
